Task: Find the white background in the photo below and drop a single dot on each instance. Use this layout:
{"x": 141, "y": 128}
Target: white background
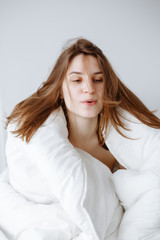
{"x": 32, "y": 33}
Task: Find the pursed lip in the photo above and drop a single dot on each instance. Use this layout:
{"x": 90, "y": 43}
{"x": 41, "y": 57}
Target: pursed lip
{"x": 89, "y": 101}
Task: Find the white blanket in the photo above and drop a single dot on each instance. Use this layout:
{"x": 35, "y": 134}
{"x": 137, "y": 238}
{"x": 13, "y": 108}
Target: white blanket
{"x": 22, "y": 219}
{"x": 48, "y": 170}
{"x": 20, "y": 216}
{"x": 139, "y": 192}
{"x": 138, "y": 187}
{"x": 69, "y": 174}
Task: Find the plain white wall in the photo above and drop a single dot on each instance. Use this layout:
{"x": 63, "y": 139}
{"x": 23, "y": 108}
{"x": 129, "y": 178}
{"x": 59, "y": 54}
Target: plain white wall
{"x": 34, "y": 31}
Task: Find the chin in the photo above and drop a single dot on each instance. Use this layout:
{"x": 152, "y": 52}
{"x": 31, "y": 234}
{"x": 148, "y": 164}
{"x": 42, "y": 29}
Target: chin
{"x": 88, "y": 114}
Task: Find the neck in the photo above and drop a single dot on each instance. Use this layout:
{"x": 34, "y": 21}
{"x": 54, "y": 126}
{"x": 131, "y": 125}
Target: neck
{"x": 82, "y": 131}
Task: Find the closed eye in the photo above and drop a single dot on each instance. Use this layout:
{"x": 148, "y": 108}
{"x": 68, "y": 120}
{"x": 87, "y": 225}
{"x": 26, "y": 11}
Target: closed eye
{"x": 98, "y": 80}
{"x": 76, "y": 80}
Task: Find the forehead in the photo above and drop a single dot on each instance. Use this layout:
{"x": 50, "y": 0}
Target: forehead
{"x": 82, "y": 63}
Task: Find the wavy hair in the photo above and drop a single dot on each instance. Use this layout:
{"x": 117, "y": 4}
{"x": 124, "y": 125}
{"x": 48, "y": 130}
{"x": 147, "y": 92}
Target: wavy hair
{"x": 31, "y": 113}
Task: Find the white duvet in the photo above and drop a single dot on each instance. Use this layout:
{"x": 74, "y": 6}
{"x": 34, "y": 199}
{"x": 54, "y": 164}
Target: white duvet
{"x": 138, "y": 187}
{"x": 139, "y": 192}
{"x": 22, "y": 219}
{"x": 93, "y": 212}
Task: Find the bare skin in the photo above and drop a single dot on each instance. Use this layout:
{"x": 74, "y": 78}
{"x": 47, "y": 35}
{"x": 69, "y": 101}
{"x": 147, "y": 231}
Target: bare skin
{"x": 83, "y": 91}
{"x": 82, "y": 135}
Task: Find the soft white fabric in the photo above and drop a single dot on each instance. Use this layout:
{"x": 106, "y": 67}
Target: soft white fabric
{"x": 48, "y": 170}
{"x": 2, "y": 236}
{"x": 138, "y": 187}
{"x": 139, "y": 192}
{"x": 18, "y": 215}
{"x": 44, "y": 234}
{"x": 105, "y": 195}
{"x": 22, "y": 220}
{"x": 141, "y": 151}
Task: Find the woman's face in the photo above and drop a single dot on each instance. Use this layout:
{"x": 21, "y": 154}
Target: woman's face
{"x": 83, "y": 87}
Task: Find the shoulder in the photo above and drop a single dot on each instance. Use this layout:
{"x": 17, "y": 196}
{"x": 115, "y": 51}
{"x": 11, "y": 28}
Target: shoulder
{"x": 57, "y": 116}
{"x": 134, "y": 128}
{"x": 140, "y": 143}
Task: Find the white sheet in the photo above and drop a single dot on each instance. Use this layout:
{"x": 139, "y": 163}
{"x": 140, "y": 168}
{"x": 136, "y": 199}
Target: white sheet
{"x": 49, "y": 169}
{"x": 2, "y": 236}
{"x": 19, "y": 215}
{"x": 22, "y": 219}
{"x": 138, "y": 187}
{"x": 139, "y": 192}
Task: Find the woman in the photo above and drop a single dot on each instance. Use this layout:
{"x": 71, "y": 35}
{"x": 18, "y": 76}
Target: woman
{"x": 83, "y": 92}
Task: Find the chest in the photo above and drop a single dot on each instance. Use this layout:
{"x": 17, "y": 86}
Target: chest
{"x": 103, "y": 156}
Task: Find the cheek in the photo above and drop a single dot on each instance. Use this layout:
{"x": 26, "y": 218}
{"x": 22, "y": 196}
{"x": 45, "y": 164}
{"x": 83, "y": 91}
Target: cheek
{"x": 65, "y": 92}
{"x": 100, "y": 91}
{"x": 69, "y": 96}
{"x": 73, "y": 93}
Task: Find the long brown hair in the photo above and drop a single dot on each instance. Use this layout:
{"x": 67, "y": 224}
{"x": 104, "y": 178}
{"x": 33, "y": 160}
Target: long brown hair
{"x": 31, "y": 113}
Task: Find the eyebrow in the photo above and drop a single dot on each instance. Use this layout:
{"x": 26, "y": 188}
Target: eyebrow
{"x": 80, "y": 73}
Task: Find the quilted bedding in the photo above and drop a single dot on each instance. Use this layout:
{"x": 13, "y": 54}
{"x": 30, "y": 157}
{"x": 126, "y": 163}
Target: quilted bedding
{"x": 22, "y": 219}
{"x": 93, "y": 212}
{"x": 138, "y": 187}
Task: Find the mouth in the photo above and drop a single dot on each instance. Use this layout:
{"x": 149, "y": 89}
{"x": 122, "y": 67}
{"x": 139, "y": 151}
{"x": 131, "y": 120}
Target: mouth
{"x": 89, "y": 102}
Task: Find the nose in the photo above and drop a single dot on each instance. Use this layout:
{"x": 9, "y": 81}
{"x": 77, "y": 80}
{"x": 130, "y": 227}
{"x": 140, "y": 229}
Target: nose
{"x": 89, "y": 87}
